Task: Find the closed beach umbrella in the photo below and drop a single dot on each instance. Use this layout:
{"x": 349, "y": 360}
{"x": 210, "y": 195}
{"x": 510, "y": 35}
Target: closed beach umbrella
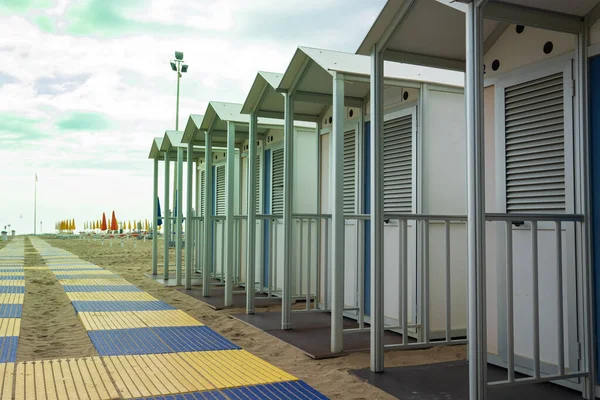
{"x": 159, "y": 223}
{"x": 113, "y": 222}
{"x": 103, "y": 225}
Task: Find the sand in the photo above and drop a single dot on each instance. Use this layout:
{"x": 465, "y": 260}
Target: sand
{"x": 331, "y": 377}
{"x": 49, "y": 326}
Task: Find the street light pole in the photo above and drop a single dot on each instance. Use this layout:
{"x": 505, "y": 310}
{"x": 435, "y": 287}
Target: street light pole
{"x": 178, "y": 66}
{"x": 35, "y": 206}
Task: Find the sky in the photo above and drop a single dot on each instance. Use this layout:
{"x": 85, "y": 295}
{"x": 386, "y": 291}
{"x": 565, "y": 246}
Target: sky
{"x": 85, "y": 86}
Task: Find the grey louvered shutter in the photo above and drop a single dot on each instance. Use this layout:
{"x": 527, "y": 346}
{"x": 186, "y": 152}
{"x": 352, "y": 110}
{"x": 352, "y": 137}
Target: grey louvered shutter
{"x": 277, "y": 182}
{"x": 202, "y": 190}
{"x": 256, "y": 182}
{"x": 220, "y": 190}
{"x": 535, "y": 146}
{"x": 349, "y": 171}
{"x": 397, "y": 164}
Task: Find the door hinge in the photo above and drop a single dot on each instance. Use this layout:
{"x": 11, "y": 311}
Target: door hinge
{"x": 573, "y": 86}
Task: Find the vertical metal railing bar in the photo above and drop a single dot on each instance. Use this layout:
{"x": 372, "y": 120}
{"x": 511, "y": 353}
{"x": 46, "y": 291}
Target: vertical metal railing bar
{"x": 261, "y": 280}
{"x": 404, "y": 271}
{"x": 510, "y": 329}
{"x": 559, "y": 300}
{"x": 309, "y": 266}
{"x": 448, "y": 282}
{"x": 221, "y": 272}
{"x": 326, "y": 264}
{"x": 300, "y": 272}
{"x": 535, "y": 298}
{"x": 425, "y": 280}
{"x": 275, "y": 256}
{"x": 400, "y": 271}
{"x": 318, "y": 252}
{"x": 360, "y": 281}
{"x": 235, "y": 249}
{"x": 270, "y": 255}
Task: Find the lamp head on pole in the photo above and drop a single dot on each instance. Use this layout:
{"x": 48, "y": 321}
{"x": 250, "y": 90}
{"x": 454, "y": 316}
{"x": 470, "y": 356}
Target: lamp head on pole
{"x": 179, "y": 55}
{"x": 173, "y": 66}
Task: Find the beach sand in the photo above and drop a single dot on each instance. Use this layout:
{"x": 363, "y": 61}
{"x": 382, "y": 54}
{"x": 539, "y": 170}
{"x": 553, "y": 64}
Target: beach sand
{"x": 329, "y": 376}
{"x": 49, "y": 326}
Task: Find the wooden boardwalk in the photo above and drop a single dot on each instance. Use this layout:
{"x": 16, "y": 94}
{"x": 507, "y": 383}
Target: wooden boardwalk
{"x": 148, "y": 349}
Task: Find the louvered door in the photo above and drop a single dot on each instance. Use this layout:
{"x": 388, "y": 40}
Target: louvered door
{"x": 202, "y": 190}
{"x": 350, "y": 171}
{"x": 397, "y": 164}
{"x": 256, "y": 182}
{"x": 535, "y": 145}
{"x": 220, "y": 195}
{"x": 277, "y": 182}
{"x": 536, "y": 164}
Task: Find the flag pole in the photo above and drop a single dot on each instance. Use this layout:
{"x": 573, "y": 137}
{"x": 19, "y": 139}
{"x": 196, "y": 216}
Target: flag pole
{"x": 35, "y": 206}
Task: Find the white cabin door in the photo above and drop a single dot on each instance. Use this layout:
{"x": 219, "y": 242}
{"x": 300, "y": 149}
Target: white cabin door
{"x": 535, "y": 171}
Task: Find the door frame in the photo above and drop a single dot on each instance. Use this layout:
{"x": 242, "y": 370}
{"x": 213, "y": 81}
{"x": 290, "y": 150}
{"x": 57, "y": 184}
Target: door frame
{"x": 517, "y": 76}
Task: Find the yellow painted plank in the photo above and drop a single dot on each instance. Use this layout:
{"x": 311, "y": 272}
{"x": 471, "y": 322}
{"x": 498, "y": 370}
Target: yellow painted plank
{"x": 154, "y": 375}
{"x": 233, "y": 368}
{"x": 12, "y": 282}
{"x": 15, "y": 273}
{"x": 7, "y": 382}
{"x": 20, "y": 382}
{"x": 109, "y": 296}
{"x": 68, "y": 379}
{"x": 40, "y": 385}
{"x": 11, "y": 298}
{"x": 78, "y": 380}
{"x": 94, "y": 378}
{"x": 98, "y": 272}
{"x": 124, "y": 375}
{"x": 170, "y": 384}
{"x": 167, "y": 318}
{"x": 29, "y": 381}
{"x": 34, "y": 268}
{"x": 10, "y": 326}
{"x": 186, "y": 370}
{"x": 86, "y": 379}
{"x": 59, "y": 381}
{"x": 120, "y": 382}
{"x": 49, "y": 380}
{"x": 94, "y": 282}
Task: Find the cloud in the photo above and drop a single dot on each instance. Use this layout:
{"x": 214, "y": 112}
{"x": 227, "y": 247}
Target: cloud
{"x": 85, "y": 121}
{"x": 17, "y": 127}
{"x": 59, "y": 83}
{"x": 24, "y": 5}
{"x": 46, "y": 24}
{"x": 6, "y": 79}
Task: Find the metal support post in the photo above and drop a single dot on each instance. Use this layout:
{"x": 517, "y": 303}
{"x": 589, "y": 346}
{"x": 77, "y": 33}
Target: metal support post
{"x": 288, "y": 166}
{"x": 179, "y": 216}
{"x": 338, "y": 238}
{"x": 477, "y": 350}
{"x": 155, "y": 219}
{"x": 377, "y": 217}
{"x": 167, "y": 222}
{"x": 251, "y": 226}
{"x": 208, "y": 221}
{"x": 229, "y": 214}
{"x": 189, "y": 234}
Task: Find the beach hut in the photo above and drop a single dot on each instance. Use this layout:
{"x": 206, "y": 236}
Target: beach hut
{"x": 528, "y": 95}
{"x": 422, "y": 126}
{"x": 264, "y": 194}
{"x": 224, "y": 124}
{"x": 167, "y": 149}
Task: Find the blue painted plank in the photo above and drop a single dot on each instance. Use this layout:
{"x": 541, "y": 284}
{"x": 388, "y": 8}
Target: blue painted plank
{"x": 127, "y": 342}
{"x": 77, "y": 269}
{"x": 12, "y": 289}
{"x": 279, "y": 390}
{"x": 193, "y": 338}
{"x": 8, "y": 348}
{"x": 12, "y": 277}
{"x": 115, "y": 306}
{"x": 11, "y": 310}
{"x": 101, "y": 288}
{"x": 86, "y": 276}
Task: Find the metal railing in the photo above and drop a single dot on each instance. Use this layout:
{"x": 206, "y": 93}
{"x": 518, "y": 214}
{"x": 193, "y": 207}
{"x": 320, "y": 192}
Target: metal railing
{"x": 557, "y": 222}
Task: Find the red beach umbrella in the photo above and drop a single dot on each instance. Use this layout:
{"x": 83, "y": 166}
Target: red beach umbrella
{"x": 103, "y": 226}
{"x": 114, "y": 226}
